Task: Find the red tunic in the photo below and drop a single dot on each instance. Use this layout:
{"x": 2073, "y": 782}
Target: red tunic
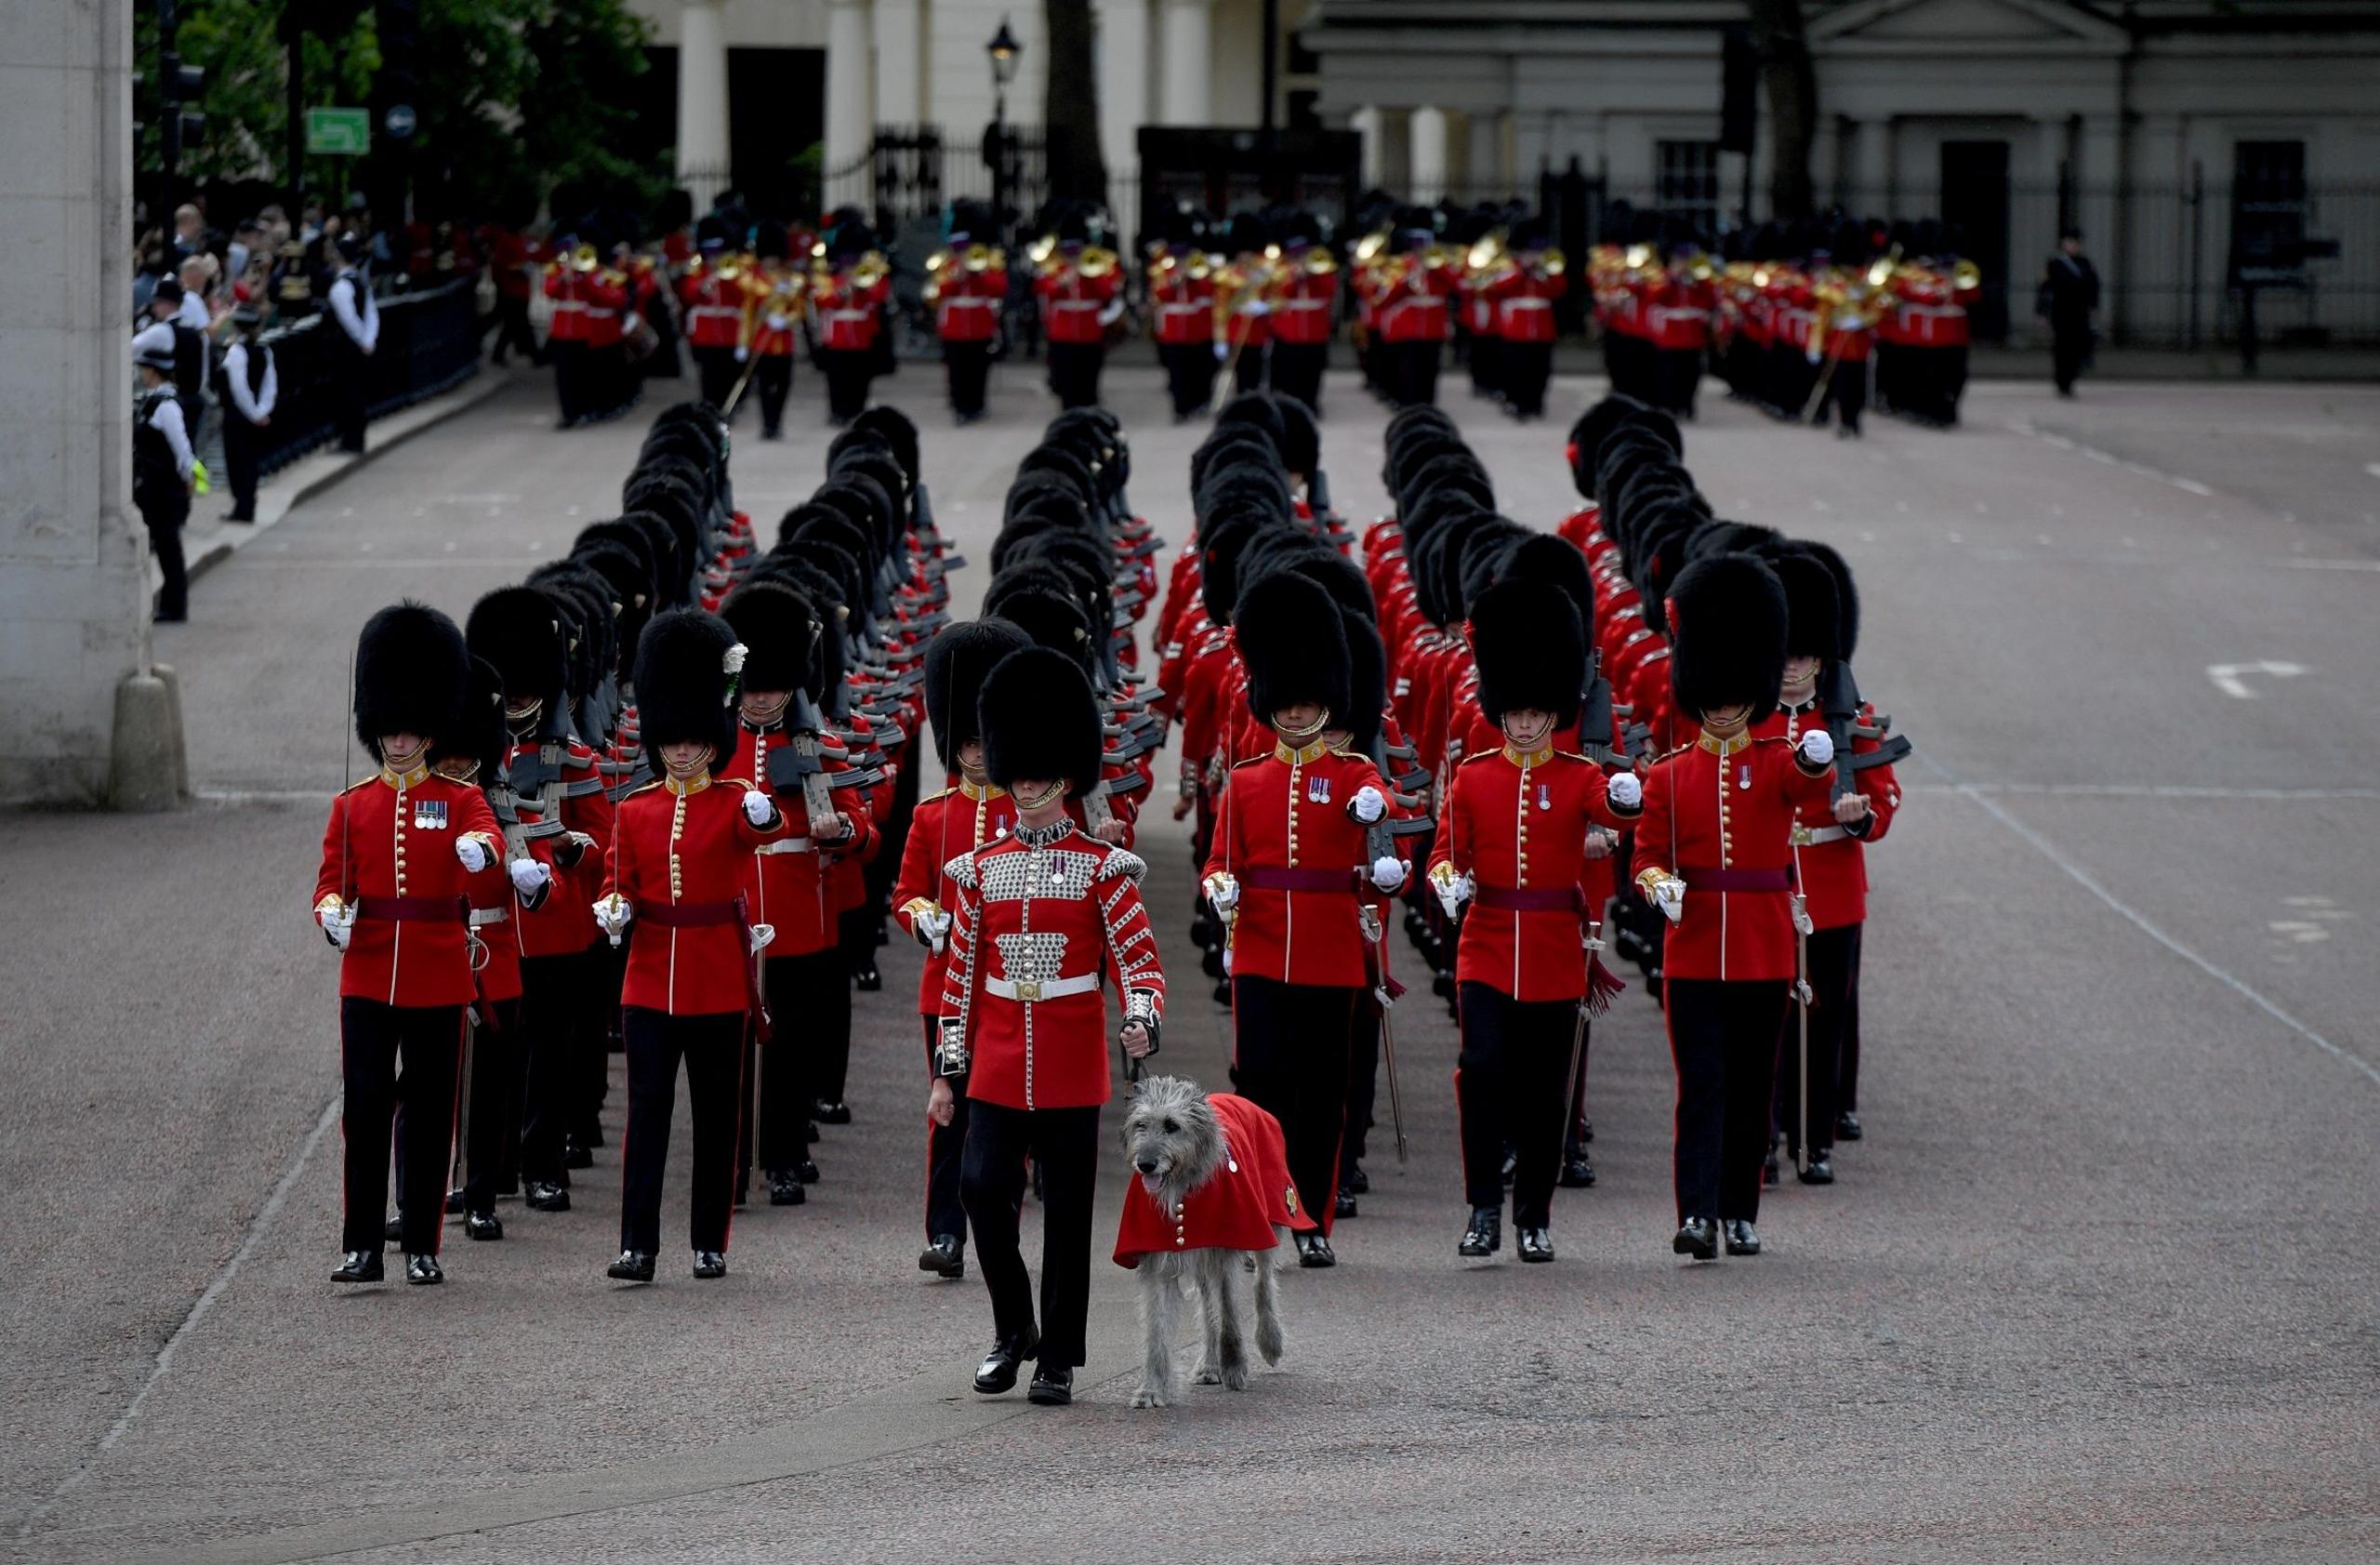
{"x": 948, "y": 825}
{"x": 393, "y": 838}
{"x": 1517, "y": 825}
{"x": 790, "y": 887}
{"x": 1722, "y": 812}
{"x": 686, "y": 847}
{"x": 1829, "y": 862}
{"x": 1072, "y": 304}
{"x": 1303, "y": 314}
{"x": 1043, "y": 921}
{"x": 1185, "y": 306}
{"x": 967, "y": 307}
{"x": 713, "y": 296}
{"x": 563, "y": 925}
{"x": 1285, "y": 816}
{"x": 1237, "y": 1208}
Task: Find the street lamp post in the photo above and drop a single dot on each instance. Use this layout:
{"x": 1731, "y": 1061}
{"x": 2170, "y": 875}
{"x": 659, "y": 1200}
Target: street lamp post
{"x": 1003, "y": 49}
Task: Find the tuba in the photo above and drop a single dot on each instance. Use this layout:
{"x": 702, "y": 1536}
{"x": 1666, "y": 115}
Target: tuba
{"x": 1554, "y": 263}
{"x": 979, "y": 257}
{"x": 1096, "y": 260}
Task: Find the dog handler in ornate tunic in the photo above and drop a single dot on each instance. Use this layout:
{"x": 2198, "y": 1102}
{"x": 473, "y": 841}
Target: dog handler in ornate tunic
{"x": 1043, "y": 919}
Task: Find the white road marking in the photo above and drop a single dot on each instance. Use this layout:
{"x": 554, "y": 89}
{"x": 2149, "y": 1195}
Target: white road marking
{"x": 189, "y": 1322}
{"x": 2189, "y": 485}
{"x": 2331, "y": 565}
{"x": 2082, "y": 878}
{"x": 2226, "y": 676}
{"x": 2143, "y": 791}
{"x": 2305, "y": 934}
{"x": 2372, "y": 468}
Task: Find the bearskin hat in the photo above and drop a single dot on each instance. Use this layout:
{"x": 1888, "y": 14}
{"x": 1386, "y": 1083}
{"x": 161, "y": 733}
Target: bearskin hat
{"x": 1812, "y": 606}
{"x": 1367, "y": 681}
{"x": 1727, "y": 616}
{"x": 779, "y": 631}
{"x": 483, "y": 734}
{"x": 1530, "y": 648}
{"x": 410, "y": 669}
{"x": 1044, "y": 608}
{"x": 1301, "y": 435}
{"x": 957, "y": 660}
{"x": 1846, "y": 597}
{"x": 686, "y": 682}
{"x": 520, "y": 631}
{"x": 1294, "y": 646}
{"x": 899, "y": 434}
{"x": 1039, "y": 720}
{"x": 1550, "y": 558}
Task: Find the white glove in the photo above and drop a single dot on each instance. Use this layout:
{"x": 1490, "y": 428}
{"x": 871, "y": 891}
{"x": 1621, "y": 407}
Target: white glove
{"x": 1224, "y": 893}
{"x": 1388, "y": 872}
{"x": 759, "y": 808}
{"x": 1817, "y": 747}
{"x": 741, "y": 352}
{"x": 933, "y": 930}
{"x": 1626, "y": 793}
{"x": 338, "y": 923}
{"x": 611, "y": 914}
{"x": 473, "y": 853}
{"x": 1369, "y": 805}
{"x": 778, "y": 322}
{"x": 1669, "y": 895}
{"x": 1453, "y": 894}
{"x": 528, "y": 875}
{"x": 1221, "y": 353}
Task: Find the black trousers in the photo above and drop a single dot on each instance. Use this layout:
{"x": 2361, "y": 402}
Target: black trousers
{"x": 569, "y": 360}
{"x": 1413, "y": 373}
{"x": 1527, "y": 367}
{"x": 1846, "y": 1078}
{"x": 969, "y": 365}
{"x": 373, "y": 1040}
{"x": 1247, "y": 367}
{"x": 1291, "y": 1059}
{"x": 1297, "y": 371}
{"x": 1363, "y": 1085}
{"x": 1487, "y": 366}
{"x": 1834, "y": 955}
{"x": 946, "y": 1147}
{"x": 1723, "y": 1038}
{"x": 1676, "y": 372}
{"x": 512, "y": 329}
{"x": 1074, "y": 372}
{"x": 774, "y": 379}
{"x": 2070, "y": 350}
{"x": 717, "y": 370}
{"x": 554, "y": 1042}
{"x": 1512, "y": 1083}
{"x": 713, "y": 1050}
{"x": 492, "y": 1124}
{"x": 243, "y": 442}
{"x": 848, "y": 372}
{"x": 1189, "y": 375}
{"x": 347, "y": 390}
{"x": 809, "y": 1005}
{"x": 1064, "y": 1143}
{"x": 1846, "y": 393}
{"x": 164, "y": 525}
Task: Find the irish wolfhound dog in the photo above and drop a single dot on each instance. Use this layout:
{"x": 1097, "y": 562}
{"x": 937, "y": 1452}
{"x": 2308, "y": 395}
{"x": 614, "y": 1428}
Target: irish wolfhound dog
{"x": 1214, "y": 1195}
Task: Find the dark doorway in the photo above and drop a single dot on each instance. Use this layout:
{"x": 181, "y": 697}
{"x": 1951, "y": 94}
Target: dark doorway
{"x": 1975, "y": 210}
{"x": 776, "y": 110}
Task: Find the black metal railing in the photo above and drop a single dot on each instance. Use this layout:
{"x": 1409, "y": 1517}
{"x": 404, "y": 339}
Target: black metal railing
{"x": 429, "y": 342}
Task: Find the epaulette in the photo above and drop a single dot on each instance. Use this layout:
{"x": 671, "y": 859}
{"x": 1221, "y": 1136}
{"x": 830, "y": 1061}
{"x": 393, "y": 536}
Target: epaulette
{"x": 744, "y": 783}
{"x": 634, "y": 792}
{"x": 930, "y": 798}
{"x": 1252, "y": 761}
{"x": 962, "y": 868}
{"x": 1121, "y": 861}
{"x": 353, "y": 786}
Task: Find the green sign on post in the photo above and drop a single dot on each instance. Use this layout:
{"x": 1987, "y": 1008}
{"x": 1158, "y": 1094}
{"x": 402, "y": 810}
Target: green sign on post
{"x": 339, "y": 132}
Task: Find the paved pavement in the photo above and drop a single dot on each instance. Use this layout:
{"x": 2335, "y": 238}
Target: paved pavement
{"x": 2097, "y": 1285}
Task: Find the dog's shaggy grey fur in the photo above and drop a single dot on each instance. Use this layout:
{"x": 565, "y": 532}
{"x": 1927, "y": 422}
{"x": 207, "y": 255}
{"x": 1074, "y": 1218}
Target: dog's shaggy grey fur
{"x": 1176, "y": 1145}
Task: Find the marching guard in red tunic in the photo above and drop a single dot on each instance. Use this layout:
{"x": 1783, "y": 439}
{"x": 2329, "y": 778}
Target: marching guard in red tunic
{"x": 680, "y": 860}
{"x": 1044, "y": 919}
{"x": 1524, "y": 831}
{"x": 401, "y": 922}
{"x": 1715, "y": 853}
{"x": 947, "y": 826}
{"x": 1292, "y": 861}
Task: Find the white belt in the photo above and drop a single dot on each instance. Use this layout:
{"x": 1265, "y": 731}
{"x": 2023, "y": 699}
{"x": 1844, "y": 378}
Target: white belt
{"x": 1529, "y": 301}
{"x": 727, "y": 310}
{"x": 482, "y": 917}
{"x": 1806, "y": 836}
{"x": 787, "y": 844}
{"x": 1185, "y": 309}
{"x": 966, "y": 302}
{"x": 849, "y": 314}
{"x": 1046, "y": 988}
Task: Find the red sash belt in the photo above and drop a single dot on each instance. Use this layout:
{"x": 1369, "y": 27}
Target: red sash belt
{"x": 1530, "y": 899}
{"x": 1713, "y": 879}
{"x": 415, "y": 910}
{"x": 708, "y": 915}
{"x": 1267, "y": 877}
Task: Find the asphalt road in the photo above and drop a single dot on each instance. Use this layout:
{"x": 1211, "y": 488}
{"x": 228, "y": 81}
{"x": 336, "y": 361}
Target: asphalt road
{"x": 2098, "y": 1285}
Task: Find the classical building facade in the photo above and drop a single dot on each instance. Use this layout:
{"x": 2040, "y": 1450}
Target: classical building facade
{"x": 2176, "y": 133}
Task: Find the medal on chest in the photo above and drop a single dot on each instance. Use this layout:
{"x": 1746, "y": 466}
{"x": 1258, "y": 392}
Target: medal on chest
{"x": 1544, "y": 796}
{"x": 429, "y": 814}
{"x": 1743, "y": 778}
{"x": 1317, "y": 790}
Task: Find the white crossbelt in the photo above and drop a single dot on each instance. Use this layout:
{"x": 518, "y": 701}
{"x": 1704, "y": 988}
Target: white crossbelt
{"x": 482, "y": 917}
{"x": 1046, "y": 988}
{"x": 1806, "y": 837}
{"x": 787, "y": 844}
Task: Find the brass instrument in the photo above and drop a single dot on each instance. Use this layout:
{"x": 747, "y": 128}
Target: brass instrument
{"x": 1437, "y": 257}
{"x": 1368, "y": 247}
{"x": 1553, "y": 262}
{"x": 1320, "y": 262}
{"x": 1965, "y": 274}
{"x": 1879, "y": 271}
{"x": 1200, "y": 266}
{"x": 1096, "y": 260}
{"x": 1043, "y": 253}
{"x": 981, "y": 258}
{"x": 1487, "y": 251}
{"x": 1700, "y": 269}
{"x": 584, "y": 259}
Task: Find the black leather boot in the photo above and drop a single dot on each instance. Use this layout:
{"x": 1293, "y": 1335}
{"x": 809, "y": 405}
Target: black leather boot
{"x": 1536, "y": 1244}
{"x": 634, "y": 1266}
{"x": 1743, "y": 1237}
{"x": 1698, "y": 1238}
{"x": 946, "y": 1257}
{"x": 1485, "y": 1235}
{"x": 709, "y": 1263}
{"x": 1053, "y": 1385}
{"x": 997, "y": 1372}
{"x": 359, "y": 1265}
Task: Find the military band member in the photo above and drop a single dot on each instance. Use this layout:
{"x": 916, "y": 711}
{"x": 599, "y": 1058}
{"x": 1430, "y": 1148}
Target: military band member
{"x": 1411, "y": 312}
{"x": 1081, "y": 290}
{"x": 1715, "y": 853}
{"x": 1521, "y": 829}
{"x": 966, "y": 286}
{"x": 1181, "y": 305}
{"x": 1044, "y": 919}
{"x": 848, "y": 287}
{"x": 711, "y": 292}
{"x": 947, "y": 825}
{"x": 1304, "y": 311}
{"x": 773, "y": 296}
{"x": 1287, "y": 869}
{"x": 401, "y": 919}
{"x": 680, "y": 859}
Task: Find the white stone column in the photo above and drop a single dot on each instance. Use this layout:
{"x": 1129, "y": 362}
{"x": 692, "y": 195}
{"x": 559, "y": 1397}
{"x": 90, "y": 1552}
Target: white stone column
{"x": 1189, "y": 47}
{"x": 702, "y": 100}
{"x": 2099, "y": 150}
{"x": 1428, "y": 156}
{"x": 900, "y": 52}
{"x": 851, "y": 119}
{"x": 1123, "y": 86}
{"x": 1365, "y": 122}
{"x": 85, "y": 716}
